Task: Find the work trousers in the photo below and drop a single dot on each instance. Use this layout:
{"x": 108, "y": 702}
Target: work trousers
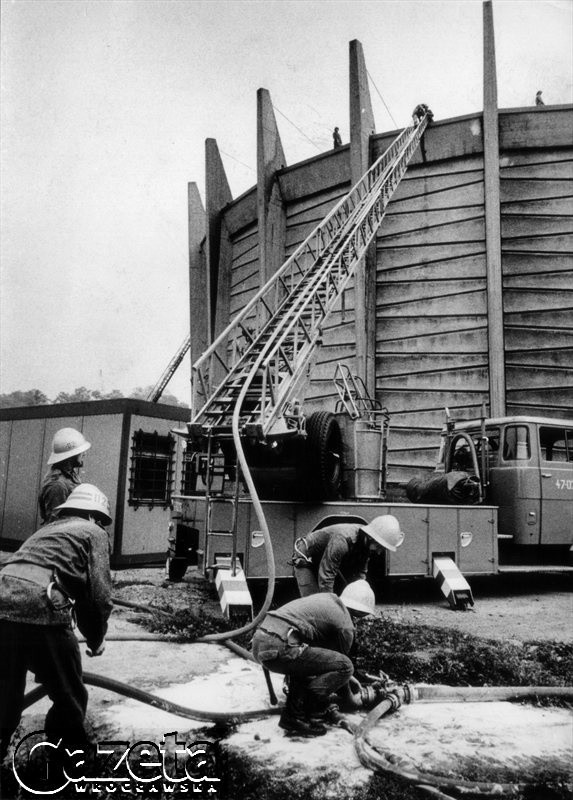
{"x": 306, "y": 579}
{"x": 318, "y": 670}
{"x": 52, "y": 653}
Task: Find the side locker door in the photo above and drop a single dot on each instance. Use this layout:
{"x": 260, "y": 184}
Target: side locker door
{"x": 556, "y": 463}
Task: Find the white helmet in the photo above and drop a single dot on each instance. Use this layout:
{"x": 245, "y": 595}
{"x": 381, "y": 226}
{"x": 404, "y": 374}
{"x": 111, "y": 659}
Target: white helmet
{"x": 359, "y": 596}
{"x": 385, "y": 530}
{"x": 67, "y": 442}
{"x": 87, "y": 497}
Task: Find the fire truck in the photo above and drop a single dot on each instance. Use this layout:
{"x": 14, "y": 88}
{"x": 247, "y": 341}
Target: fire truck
{"x": 261, "y": 470}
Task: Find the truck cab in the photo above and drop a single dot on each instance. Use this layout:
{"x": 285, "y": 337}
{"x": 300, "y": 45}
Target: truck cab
{"x": 525, "y": 468}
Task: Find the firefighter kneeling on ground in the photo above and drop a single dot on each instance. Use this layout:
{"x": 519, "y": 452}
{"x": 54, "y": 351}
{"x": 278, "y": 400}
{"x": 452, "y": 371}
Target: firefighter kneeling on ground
{"x": 309, "y": 640}
{"x": 60, "y": 575}
{"x": 323, "y": 557}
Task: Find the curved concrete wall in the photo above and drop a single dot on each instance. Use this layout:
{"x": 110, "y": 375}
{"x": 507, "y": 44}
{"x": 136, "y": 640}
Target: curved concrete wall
{"x": 432, "y": 347}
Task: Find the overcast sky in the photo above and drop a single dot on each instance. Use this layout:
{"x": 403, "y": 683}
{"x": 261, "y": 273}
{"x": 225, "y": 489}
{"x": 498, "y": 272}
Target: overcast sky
{"x": 106, "y": 105}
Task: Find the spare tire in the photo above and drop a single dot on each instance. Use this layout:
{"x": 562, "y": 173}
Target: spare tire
{"x": 322, "y": 469}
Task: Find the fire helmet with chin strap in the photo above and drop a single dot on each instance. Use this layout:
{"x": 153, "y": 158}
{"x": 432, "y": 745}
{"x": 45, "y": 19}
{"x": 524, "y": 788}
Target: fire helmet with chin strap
{"x": 385, "y": 530}
{"x": 67, "y": 442}
{"x": 87, "y": 497}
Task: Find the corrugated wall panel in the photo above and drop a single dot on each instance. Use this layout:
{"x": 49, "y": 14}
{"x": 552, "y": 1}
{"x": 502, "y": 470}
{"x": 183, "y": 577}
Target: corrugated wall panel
{"x": 537, "y": 249}
{"x": 245, "y": 269}
{"x": 339, "y": 339}
{"x": 431, "y": 342}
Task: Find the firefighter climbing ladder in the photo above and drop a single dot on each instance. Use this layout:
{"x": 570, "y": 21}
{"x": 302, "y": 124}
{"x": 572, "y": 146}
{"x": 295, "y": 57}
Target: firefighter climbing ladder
{"x": 244, "y": 385}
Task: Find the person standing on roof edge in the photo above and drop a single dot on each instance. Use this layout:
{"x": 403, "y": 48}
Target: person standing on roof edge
{"x": 65, "y": 461}
{"x": 336, "y": 139}
{"x": 60, "y": 574}
{"x": 341, "y": 550}
{"x": 309, "y": 640}
{"x": 538, "y": 99}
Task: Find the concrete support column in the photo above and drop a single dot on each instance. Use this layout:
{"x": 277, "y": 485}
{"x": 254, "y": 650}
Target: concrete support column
{"x": 362, "y": 127}
{"x": 270, "y": 207}
{"x": 198, "y": 279}
{"x": 219, "y": 255}
{"x": 496, "y": 348}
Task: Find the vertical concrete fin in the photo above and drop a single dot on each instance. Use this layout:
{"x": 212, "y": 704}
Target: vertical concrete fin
{"x": 492, "y": 219}
{"x": 217, "y": 196}
{"x": 198, "y": 280}
{"x": 362, "y": 126}
{"x": 270, "y": 207}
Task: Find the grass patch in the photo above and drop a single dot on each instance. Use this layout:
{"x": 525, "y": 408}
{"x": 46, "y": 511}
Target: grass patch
{"x": 421, "y": 653}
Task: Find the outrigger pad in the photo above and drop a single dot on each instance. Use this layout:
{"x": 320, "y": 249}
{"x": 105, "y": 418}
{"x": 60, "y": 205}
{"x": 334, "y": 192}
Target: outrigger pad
{"x": 234, "y": 595}
{"x": 454, "y": 586}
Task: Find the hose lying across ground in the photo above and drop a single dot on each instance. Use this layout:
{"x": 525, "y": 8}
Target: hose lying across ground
{"x": 157, "y": 702}
{"x": 432, "y": 783}
{"x": 368, "y": 755}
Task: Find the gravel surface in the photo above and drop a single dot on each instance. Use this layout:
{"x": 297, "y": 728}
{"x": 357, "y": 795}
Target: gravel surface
{"x": 521, "y": 608}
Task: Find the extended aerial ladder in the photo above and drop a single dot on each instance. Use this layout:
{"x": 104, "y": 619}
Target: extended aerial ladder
{"x": 245, "y": 384}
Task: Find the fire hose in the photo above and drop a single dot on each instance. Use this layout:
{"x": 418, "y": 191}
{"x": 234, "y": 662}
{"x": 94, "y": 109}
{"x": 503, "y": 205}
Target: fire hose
{"x": 433, "y": 784}
{"x": 388, "y": 697}
{"x": 161, "y": 703}
{"x": 380, "y": 691}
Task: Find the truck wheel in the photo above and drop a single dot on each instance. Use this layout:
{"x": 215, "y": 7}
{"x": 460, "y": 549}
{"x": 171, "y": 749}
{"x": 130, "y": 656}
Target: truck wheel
{"x": 175, "y": 568}
{"x": 323, "y": 468}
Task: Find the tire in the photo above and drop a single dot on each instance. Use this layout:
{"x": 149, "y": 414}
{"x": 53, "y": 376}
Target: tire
{"x": 323, "y": 467}
{"x": 175, "y": 568}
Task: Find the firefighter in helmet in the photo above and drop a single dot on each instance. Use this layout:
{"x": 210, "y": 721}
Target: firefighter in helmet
{"x": 336, "y": 554}
{"x": 59, "y": 576}
{"x": 309, "y": 640}
{"x": 65, "y": 462}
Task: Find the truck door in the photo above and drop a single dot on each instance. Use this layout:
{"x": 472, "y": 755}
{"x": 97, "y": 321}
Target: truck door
{"x": 556, "y": 462}
{"x": 514, "y": 485}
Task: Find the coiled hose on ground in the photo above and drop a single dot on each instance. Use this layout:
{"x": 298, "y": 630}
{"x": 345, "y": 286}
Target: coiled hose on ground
{"x": 368, "y": 755}
{"x": 431, "y": 784}
{"x": 434, "y": 784}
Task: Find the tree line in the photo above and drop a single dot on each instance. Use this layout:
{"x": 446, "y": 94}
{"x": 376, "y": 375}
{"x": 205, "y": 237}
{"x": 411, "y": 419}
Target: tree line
{"x": 35, "y": 397}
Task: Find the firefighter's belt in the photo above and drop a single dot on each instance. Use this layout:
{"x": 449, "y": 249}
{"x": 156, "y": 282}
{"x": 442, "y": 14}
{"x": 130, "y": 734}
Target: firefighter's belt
{"x": 280, "y": 629}
{"x": 41, "y": 576}
{"x": 58, "y": 598}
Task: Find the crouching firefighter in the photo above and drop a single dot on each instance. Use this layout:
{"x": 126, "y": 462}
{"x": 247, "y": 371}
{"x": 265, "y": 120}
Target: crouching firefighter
{"x": 61, "y": 573}
{"x": 309, "y": 640}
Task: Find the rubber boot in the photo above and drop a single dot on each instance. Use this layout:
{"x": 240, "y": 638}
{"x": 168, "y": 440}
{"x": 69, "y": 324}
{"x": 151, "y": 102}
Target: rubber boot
{"x": 318, "y": 713}
{"x": 293, "y": 719}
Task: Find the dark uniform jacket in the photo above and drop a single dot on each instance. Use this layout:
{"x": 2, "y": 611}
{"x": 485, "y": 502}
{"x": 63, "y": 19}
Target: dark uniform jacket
{"x": 342, "y": 547}
{"x": 76, "y": 552}
{"x": 321, "y": 619}
{"x": 57, "y": 486}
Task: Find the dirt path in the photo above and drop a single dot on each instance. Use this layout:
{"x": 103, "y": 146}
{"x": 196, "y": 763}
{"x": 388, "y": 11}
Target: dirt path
{"x": 533, "y": 608}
